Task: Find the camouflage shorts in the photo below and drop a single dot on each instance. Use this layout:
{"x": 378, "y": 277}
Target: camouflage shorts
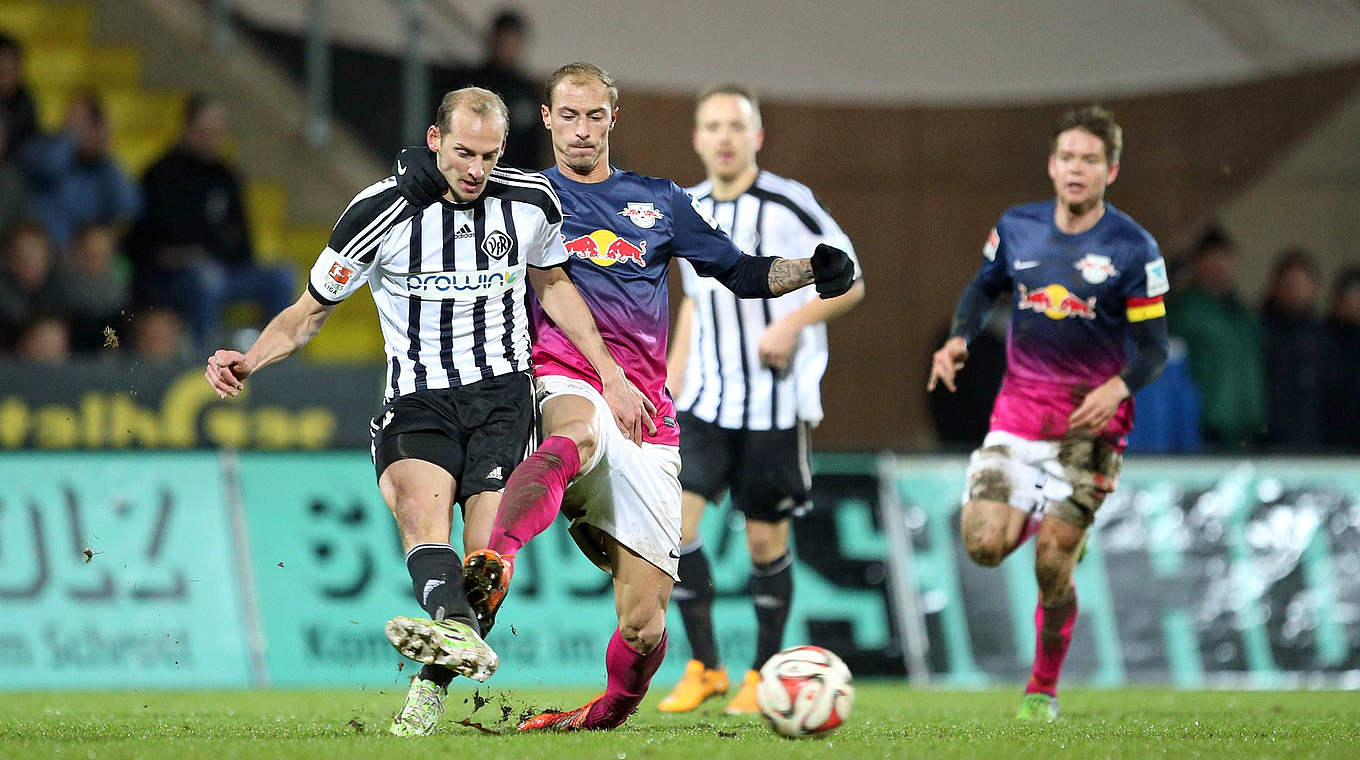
{"x": 1069, "y": 478}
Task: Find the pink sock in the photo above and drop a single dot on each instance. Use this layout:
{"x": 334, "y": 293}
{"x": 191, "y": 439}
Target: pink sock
{"x": 630, "y": 672}
{"x": 533, "y": 495}
{"x": 1031, "y": 527}
{"x": 1053, "y": 629}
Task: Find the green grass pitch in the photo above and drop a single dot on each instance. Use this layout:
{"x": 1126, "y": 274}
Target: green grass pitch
{"x": 889, "y": 721}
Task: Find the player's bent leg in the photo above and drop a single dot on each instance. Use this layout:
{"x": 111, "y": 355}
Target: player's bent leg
{"x": 420, "y": 495}
{"x": 479, "y": 515}
{"x": 1056, "y": 551}
{"x": 991, "y": 530}
{"x": 1055, "y": 616}
{"x": 533, "y": 495}
{"x": 635, "y": 651}
{"x": 573, "y": 417}
{"x": 704, "y": 676}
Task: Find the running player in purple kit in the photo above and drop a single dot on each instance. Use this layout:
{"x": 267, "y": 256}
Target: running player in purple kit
{"x": 623, "y": 499}
{"x": 1085, "y": 279}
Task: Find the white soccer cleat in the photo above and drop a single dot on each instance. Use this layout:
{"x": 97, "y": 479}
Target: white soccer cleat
{"x": 450, "y": 643}
{"x": 420, "y": 715}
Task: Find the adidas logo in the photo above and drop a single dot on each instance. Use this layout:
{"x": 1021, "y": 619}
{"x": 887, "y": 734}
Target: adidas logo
{"x": 463, "y": 232}
{"x": 496, "y": 474}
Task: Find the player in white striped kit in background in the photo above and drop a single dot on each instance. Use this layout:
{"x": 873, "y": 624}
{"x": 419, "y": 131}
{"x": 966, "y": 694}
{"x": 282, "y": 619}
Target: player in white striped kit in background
{"x": 746, "y": 376}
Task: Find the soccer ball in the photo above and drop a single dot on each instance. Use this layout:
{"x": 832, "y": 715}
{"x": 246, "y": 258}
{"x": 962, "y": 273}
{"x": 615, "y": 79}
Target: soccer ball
{"x": 804, "y": 691}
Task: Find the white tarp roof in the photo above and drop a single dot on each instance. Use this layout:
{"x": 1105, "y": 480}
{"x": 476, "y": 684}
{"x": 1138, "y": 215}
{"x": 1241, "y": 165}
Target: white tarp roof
{"x": 957, "y": 52}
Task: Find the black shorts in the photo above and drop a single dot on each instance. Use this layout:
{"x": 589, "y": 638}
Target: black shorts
{"x": 477, "y": 432}
{"x": 766, "y": 470}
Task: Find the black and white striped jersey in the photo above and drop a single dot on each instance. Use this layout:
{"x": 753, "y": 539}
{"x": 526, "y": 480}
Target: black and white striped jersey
{"x": 725, "y": 383}
{"x": 448, "y": 279}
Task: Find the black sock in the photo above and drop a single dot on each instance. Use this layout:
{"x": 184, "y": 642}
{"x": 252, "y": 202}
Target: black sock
{"x": 441, "y": 675}
{"x": 437, "y": 579}
{"x": 694, "y": 595}
{"x": 772, "y": 591}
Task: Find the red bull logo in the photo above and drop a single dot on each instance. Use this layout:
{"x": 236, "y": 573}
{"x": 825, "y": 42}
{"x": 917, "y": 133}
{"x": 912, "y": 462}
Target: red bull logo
{"x": 1055, "y": 302}
{"x": 606, "y": 248}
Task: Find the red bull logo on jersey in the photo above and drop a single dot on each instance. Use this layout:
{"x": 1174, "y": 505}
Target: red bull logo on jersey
{"x": 606, "y": 249}
{"x": 1055, "y": 302}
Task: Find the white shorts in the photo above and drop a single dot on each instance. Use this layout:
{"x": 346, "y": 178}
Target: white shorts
{"x": 628, "y": 491}
{"x": 1069, "y": 477}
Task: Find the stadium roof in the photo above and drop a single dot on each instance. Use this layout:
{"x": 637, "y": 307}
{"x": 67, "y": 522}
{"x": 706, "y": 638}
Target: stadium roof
{"x": 960, "y": 52}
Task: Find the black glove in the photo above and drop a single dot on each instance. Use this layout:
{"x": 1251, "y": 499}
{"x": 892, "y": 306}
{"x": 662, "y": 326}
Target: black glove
{"x": 832, "y": 271}
{"x": 418, "y": 177}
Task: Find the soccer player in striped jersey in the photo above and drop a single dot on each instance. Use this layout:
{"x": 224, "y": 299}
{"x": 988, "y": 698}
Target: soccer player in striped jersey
{"x": 449, "y": 279}
{"x": 1085, "y": 281}
{"x": 747, "y": 378}
{"x": 621, "y": 229}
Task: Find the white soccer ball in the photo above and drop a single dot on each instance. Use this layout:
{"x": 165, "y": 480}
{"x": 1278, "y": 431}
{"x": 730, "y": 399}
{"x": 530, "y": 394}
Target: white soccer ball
{"x": 805, "y": 691}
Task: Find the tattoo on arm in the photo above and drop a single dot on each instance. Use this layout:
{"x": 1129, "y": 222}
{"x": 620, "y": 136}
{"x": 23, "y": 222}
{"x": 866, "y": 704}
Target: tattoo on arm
{"x": 787, "y": 275}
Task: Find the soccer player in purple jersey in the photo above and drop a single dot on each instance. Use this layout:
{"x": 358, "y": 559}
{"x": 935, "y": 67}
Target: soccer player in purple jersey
{"x": 620, "y": 488}
{"x": 1085, "y": 279}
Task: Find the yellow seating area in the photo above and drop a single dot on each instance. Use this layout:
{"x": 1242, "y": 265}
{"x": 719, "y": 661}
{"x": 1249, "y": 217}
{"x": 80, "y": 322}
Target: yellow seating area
{"x": 61, "y": 60}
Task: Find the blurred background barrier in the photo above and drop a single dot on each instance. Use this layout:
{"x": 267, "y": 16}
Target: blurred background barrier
{"x": 194, "y": 569}
{"x": 90, "y": 404}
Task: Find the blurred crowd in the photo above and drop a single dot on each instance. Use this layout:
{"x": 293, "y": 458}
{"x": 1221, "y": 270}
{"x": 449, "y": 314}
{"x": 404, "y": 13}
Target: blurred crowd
{"x": 91, "y": 258}
{"x": 1281, "y": 376}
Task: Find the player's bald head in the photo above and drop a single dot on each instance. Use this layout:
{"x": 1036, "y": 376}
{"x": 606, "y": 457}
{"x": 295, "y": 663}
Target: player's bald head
{"x": 484, "y": 104}
{"x": 580, "y": 73}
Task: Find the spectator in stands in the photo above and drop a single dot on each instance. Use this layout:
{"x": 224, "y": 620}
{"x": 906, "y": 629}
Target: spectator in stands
{"x": 502, "y": 72}
{"x": 16, "y": 105}
{"x": 1341, "y": 365}
{"x": 157, "y": 336}
{"x": 27, "y": 285}
{"x": 73, "y": 178}
{"x": 191, "y": 247}
{"x": 93, "y": 285}
{"x": 1294, "y": 342}
{"x": 46, "y": 339}
{"x": 14, "y": 202}
{"x": 1223, "y": 339}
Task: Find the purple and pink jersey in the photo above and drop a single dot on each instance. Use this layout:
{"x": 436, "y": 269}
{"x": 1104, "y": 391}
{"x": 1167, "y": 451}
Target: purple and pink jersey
{"x": 1074, "y": 297}
{"x": 620, "y": 236}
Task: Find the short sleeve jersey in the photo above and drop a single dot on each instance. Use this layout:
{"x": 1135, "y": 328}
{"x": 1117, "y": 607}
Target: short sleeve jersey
{"x": 620, "y": 235}
{"x": 448, "y": 279}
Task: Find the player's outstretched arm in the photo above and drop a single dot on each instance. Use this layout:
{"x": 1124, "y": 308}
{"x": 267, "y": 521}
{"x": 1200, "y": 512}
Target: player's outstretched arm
{"x": 285, "y": 333}
{"x": 829, "y": 268}
{"x": 970, "y": 315}
{"x": 560, "y": 299}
